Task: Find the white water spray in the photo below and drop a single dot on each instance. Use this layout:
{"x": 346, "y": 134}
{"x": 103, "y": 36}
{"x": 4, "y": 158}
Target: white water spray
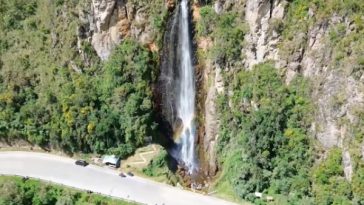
{"x": 186, "y": 95}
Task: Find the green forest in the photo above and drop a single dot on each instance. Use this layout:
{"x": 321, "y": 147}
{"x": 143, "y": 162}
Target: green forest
{"x": 105, "y": 109}
{"x": 270, "y": 148}
{"x": 265, "y": 140}
{"x": 56, "y": 98}
{"x": 18, "y": 191}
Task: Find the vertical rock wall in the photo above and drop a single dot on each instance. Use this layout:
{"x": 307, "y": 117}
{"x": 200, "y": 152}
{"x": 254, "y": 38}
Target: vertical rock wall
{"x": 214, "y": 80}
{"x": 110, "y": 21}
{"x": 338, "y": 87}
{"x": 262, "y": 40}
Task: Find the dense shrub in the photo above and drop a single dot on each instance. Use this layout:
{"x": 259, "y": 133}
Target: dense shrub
{"x": 265, "y": 131}
{"x": 330, "y": 186}
{"x": 226, "y": 31}
{"x": 103, "y": 107}
{"x": 89, "y": 113}
{"x": 264, "y": 142}
{"x": 52, "y": 96}
{"x": 160, "y": 167}
{"x": 15, "y": 191}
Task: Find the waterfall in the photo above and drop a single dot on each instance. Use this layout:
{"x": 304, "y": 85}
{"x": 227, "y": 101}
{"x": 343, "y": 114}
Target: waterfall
{"x": 177, "y": 87}
{"x": 186, "y": 95}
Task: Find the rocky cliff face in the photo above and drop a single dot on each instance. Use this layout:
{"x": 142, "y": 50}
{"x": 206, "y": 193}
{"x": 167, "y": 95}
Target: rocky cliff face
{"x": 262, "y": 40}
{"x": 337, "y": 79}
{"x": 313, "y": 58}
{"x": 337, "y": 82}
{"x": 108, "y": 22}
{"x": 111, "y": 24}
{"x": 338, "y": 86}
{"x": 214, "y": 80}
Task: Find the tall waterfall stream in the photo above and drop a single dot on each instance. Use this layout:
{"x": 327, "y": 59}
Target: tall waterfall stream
{"x": 177, "y": 80}
{"x": 186, "y": 95}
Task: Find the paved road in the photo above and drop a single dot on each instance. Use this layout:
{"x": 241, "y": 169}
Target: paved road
{"x": 62, "y": 170}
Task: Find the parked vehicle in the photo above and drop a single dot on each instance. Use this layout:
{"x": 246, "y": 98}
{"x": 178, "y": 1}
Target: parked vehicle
{"x": 130, "y": 174}
{"x": 81, "y": 163}
{"x": 111, "y": 160}
{"x": 122, "y": 174}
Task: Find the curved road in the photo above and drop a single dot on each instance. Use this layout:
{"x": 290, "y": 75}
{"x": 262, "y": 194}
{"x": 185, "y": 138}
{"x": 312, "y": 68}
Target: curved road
{"x": 62, "y": 170}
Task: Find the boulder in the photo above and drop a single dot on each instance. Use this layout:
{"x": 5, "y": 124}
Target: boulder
{"x": 113, "y": 20}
